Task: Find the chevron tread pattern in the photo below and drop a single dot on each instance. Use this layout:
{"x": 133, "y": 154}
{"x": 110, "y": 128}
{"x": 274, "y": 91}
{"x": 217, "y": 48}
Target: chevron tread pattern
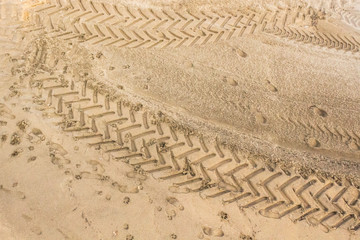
{"x": 190, "y": 163}
{"x": 123, "y": 26}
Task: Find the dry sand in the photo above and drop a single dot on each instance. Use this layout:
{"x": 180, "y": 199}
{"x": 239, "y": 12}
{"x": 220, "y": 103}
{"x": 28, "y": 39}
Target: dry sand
{"x": 179, "y": 120}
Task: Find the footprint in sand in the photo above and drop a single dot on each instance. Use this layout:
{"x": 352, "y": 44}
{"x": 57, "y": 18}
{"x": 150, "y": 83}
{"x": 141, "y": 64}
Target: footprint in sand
{"x": 218, "y": 232}
{"x": 173, "y": 201}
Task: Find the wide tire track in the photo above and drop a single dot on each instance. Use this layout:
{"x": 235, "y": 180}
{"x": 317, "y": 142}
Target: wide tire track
{"x": 188, "y": 162}
{"x": 124, "y": 26}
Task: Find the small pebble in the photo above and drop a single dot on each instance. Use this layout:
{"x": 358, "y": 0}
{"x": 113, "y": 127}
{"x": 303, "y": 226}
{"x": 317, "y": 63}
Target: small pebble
{"x": 312, "y": 142}
{"x": 126, "y": 226}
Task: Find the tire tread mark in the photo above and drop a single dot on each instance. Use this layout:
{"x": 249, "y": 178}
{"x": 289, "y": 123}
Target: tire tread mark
{"x": 227, "y": 26}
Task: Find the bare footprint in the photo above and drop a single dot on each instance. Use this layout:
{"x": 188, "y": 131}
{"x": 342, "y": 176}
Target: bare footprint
{"x": 2, "y": 189}
{"x": 207, "y": 231}
{"x": 96, "y": 165}
{"x": 60, "y": 162}
{"x": 177, "y": 189}
{"x": 36, "y": 136}
{"x": 173, "y": 201}
{"x": 57, "y": 148}
{"x": 37, "y": 230}
{"x": 136, "y": 175}
{"x": 89, "y": 175}
{"x": 230, "y": 81}
{"x": 218, "y": 232}
{"x": 125, "y": 188}
{"x": 17, "y": 194}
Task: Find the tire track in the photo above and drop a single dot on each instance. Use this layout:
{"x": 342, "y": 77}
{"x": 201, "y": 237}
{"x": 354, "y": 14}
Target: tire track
{"x": 325, "y": 132}
{"x": 122, "y": 26}
{"x": 188, "y": 162}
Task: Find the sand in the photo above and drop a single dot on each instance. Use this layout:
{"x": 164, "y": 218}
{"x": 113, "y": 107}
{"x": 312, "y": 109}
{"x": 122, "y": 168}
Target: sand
{"x": 179, "y": 120}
